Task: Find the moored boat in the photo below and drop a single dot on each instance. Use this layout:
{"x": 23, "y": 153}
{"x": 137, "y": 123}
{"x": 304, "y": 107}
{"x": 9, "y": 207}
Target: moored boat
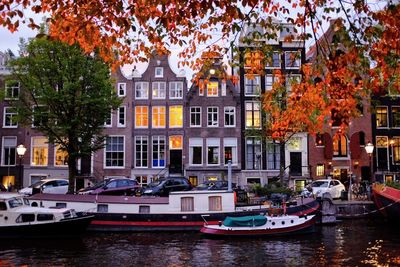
{"x": 261, "y": 226}
{"x": 387, "y": 200}
{"x": 19, "y": 219}
{"x": 180, "y": 211}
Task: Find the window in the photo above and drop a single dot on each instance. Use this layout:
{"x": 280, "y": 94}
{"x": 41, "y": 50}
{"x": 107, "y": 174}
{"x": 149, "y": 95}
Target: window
{"x": 319, "y": 140}
{"x": 61, "y": 156}
{"x": 158, "y": 117}
{"x": 252, "y": 85}
{"x": 143, "y": 180}
{"x": 176, "y": 90}
{"x": 212, "y": 116}
{"x": 175, "y": 142}
{"x": 9, "y": 120}
{"x": 40, "y": 151}
{"x": 214, "y": 203}
{"x": 40, "y": 116}
{"x": 201, "y": 88}
{"x": 175, "y": 116}
{"x": 396, "y": 117}
{"x": 122, "y": 116}
{"x": 294, "y": 143}
{"x": 253, "y": 115}
{"x": 187, "y": 204}
{"x": 340, "y": 145}
{"x": 396, "y": 150}
{"x": 230, "y": 151}
{"x": 44, "y": 217}
{"x": 195, "y": 151}
{"x": 115, "y": 151}
{"x": 336, "y": 118}
{"x": 273, "y": 156}
{"x": 212, "y": 89}
{"x": 229, "y": 116}
{"x": 292, "y": 80}
{"x": 144, "y": 209}
{"x": 270, "y": 79}
{"x": 158, "y": 151}
{"x": 121, "y": 89}
{"x": 102, "y": 208}
{"x": 292, "y": 60}
{"x": 141, "y": 90}
{"x": 8, "y": 154}
{"x": 254, "y": 59}
{"x": 381, "y": 117}
{"x": 159, "y": 90}
{"x": 212, "y": 151}
{"x": 195, "y": 116}
{"x": 141, "y": 146}
{"x": 320, "y": 170}
{"x": 223, "y": 88}
{"x": 12, "y": 90}
{"x": 159, "y": 72}
{"x": 108, "y": 121}
{"x": 141, "y": 117}
{"x": 253, "y": 153}
{"x": 274, "y": 62}
{"x": 193, "y": 180}
{"x": 382, "y": 153}
{"x": 253, "y": 180}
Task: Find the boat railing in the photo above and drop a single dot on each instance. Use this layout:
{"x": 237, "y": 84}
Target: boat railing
{"x": 204, "y": 219}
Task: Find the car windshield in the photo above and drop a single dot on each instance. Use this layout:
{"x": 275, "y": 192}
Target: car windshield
{"x": 98, "y": 185}
{"x": 37, "y": 184}
{"x": 320, "y": 184}
{"x": 154, "y": 184}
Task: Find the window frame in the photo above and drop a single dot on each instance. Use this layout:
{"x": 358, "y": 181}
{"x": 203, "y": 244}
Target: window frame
{"x": 213, "y": 143}
{"x": 195, "y": 113}
{"x": 142, "y": 151}
{"x": 253, "y": 113}
{"x": 158, "y": 144}
{"x": 175, "y": 90}
{"x": 64, "y": 157}
{"x": 393, "y": 116}
{"x": 12, "y": 149}
{"x": 213, "y": 113}
{"x": 115, "y": 151}
{"x": 161, "y": 92}
{"x": 13, "y": 89}
{"x": 252, "y": 83}
{"x": 159, "y": 75}
{"x": 212, "y": 89}
{"x": 11, "y": 115}
{"x": 171, "y": 113}
{"x": 160, "y": 116}
{"x": 144, "y": 92}
{"x": 296, "y": 59}
{"x": 195, "y": 142}
{"x": 379, "y": 115}
{"x": 144, "y": 117}
{"x": 40, "y": 146}
{"x": 233, "y": 113}
{"x": 123, "y": 117}
{"x": 121, "y": 87}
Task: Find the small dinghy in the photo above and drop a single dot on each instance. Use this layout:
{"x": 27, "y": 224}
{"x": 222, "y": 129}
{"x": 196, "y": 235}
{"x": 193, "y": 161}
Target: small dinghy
{"x": 261, "y": 226}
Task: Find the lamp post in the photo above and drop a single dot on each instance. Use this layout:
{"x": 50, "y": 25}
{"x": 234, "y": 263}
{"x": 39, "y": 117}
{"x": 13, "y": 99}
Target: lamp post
{"x": 21, "y": 149}
{"x": 369, "y": 148}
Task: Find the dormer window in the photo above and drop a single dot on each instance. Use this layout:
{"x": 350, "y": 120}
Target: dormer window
{"x": 212, "y": 89}
{"x": 159, "y": 72}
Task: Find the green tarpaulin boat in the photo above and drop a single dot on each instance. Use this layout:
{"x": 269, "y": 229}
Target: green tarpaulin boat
{"x": 245, "y": 221}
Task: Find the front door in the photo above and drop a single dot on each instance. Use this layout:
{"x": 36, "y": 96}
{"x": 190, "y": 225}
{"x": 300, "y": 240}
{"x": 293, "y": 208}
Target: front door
{"x": 295, "y": 164}
{"x": 175, "y": 164}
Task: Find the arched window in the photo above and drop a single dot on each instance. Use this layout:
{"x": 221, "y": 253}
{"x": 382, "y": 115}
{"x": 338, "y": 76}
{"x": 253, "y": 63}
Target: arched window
{"x": 340, "y": 146}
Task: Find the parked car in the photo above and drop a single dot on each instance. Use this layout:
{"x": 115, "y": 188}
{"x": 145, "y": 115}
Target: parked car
{"x": 112, "y": 186}
{"x": 165, "y": 186}
{"x": 49, "y": 185}
{"x": 214, "y": 185}
{"x": 331, "y": 186}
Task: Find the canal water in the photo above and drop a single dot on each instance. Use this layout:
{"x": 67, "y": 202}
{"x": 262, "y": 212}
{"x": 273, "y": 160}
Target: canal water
{"x": 349, "y": 243}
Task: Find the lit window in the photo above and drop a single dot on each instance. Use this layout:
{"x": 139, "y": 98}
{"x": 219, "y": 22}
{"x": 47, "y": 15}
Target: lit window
{"x": 141, "y": 117}
{"x": 40, "y": 151}
{"x": 114, "y": 151}
{"x": 121, "y": 89}
{"x": 320, "y": 170}
{"x": 252, "y": 85}
{"x": 175, "y": 116}
{"x": 253, "y": 115}
{"x": 396, "y": 117}
{"x": 121, "y": 116}
{"x": 8, "y": 153}
{"x": 230, "y": 150}
{"x": 292, "y": 60}
{"x": 229, "y": 116}
{"x": 340, "y": 145}
{"x": 158, "y": 149}
{"x": 142, "y": 180}
{"x": 141, "y": 90}
{"x": 212, "y": 151}
{"x": 159, "y": 90}
{"x": 159, "y": 72}
{"x": 175, "y": 142}
{"x": 9, "y": 120}
{"x": 108, "y": 121}
{"x": 212, "y": 89}
{"x": 381, "y": 117}
{"x": 195, "y": 116}
{"x": 61, "y": 156}
{"x": 141, "y": 151}
{"x": 319, "y": 140}
{"x": 212, "y": 116}
{"x": 158, "y": 117}
{"x": 396, "y": 150}
{"x": 176, "y": 90}
{"x": 195, "y": 151}
{"x": 12, "y": 90}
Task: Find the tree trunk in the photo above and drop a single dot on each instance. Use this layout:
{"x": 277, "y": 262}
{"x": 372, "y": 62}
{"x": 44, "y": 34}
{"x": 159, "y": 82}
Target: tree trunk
{"x": 282, "y": 163}
{"x": 71, "y": 174}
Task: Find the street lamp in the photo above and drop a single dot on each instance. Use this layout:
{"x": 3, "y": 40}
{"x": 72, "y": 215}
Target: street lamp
{"x": 369, "y": 148}
{"x": 21, "y": 149}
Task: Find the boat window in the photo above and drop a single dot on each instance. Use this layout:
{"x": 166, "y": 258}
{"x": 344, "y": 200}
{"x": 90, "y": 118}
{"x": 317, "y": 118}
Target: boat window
{"x": 25, "y": 218}
{"x": 26, "y": 201}
{"x": 45, "y": 217}
{"x": 144, "y": 209}
{"x": 214, "y": 203}
{"x": 102, "y": 208}
{"x": 187, "y": 204}
{"x": 61, "y": 205}
{"x": 15, "y": 202}
{"x": 3, "y": 206}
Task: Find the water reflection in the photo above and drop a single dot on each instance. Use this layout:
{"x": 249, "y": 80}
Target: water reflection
{"x": 351, "y": 243}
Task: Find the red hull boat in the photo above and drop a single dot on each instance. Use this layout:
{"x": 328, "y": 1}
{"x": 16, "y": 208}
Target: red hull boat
{"x": 387, "y": 199}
